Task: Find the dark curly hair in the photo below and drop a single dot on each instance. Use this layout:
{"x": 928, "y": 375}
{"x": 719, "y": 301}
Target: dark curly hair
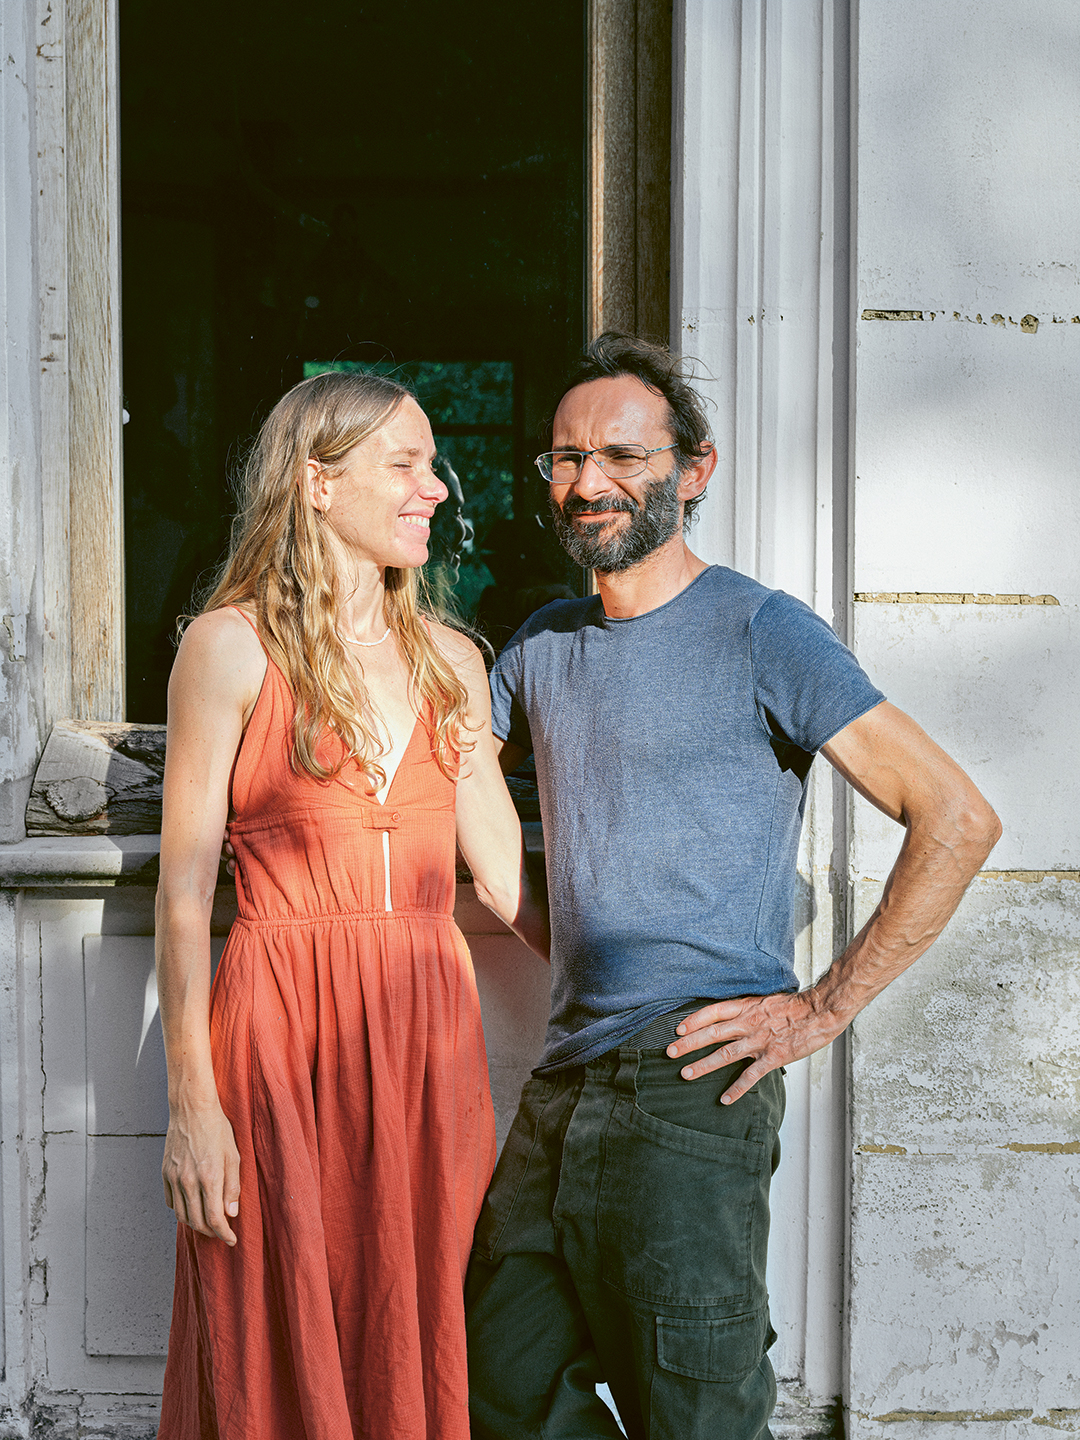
{"x": 614, "y": 353}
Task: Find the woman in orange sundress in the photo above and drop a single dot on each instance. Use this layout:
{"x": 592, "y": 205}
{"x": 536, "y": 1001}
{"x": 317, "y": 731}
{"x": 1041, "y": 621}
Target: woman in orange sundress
{"x": 330, "y": 1128}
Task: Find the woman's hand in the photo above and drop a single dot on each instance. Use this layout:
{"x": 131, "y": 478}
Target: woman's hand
{"x": 201, "y": 1171}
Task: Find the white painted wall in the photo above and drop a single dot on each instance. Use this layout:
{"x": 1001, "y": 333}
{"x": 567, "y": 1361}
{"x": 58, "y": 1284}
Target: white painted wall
{"x": 965, "y": 1281}
{"x": 949, "y": 466}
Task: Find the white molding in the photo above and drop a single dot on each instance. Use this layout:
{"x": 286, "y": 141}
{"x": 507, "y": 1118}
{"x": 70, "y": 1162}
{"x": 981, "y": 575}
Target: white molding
{"x": 759, "y": 288}
{"x": 18, "y": 1134}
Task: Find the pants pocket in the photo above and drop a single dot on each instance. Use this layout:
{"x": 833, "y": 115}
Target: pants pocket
{"x": 682, "y": 1213}
{"x": 512, "y": 1168}
{"x": 720, "y": 1350}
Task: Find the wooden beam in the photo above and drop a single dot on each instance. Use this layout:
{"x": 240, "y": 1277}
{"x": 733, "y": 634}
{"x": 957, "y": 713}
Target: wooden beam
{"x": 96, "y": 536}
{"x": 629, "y": 167}
{"x": 98, "y": 779}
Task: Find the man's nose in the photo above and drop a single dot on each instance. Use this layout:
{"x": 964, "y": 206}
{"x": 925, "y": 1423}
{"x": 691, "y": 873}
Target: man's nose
{"x": 591, "y": 480}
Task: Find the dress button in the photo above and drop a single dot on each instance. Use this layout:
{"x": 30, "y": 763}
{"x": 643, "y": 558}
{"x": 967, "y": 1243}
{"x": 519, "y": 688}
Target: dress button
{"x": 396, "y": 815}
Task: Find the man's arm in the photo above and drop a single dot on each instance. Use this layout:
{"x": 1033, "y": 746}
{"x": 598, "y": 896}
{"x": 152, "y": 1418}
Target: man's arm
{"x": 950, "y": 831}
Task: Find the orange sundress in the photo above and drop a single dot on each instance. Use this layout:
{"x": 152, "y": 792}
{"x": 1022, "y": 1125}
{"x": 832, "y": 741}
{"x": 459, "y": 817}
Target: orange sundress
{"x": 348, "y": 1053}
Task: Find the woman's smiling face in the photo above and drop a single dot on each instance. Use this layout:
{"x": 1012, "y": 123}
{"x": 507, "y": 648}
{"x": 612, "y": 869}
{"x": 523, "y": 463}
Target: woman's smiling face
{"x": 380, "y": 499}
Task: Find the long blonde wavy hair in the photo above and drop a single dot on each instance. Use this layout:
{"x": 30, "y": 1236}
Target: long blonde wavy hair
{"x": 280, "y": 565}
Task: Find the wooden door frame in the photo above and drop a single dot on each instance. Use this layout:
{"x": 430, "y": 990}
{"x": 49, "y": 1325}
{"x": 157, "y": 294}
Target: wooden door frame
{"x": 81, "y": 405}
{"x": 628, "y": 168}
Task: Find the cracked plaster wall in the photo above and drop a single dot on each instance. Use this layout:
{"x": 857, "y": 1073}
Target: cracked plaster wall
{"x": 965, "y": 1215}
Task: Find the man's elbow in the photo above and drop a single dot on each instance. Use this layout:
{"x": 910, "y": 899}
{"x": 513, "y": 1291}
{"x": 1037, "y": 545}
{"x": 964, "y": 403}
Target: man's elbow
{"x": 979, "y": 826}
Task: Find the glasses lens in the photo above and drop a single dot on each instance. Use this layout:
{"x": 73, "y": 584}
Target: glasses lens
{"x": 560, "y": 467}
{"x": 621, "y": 462}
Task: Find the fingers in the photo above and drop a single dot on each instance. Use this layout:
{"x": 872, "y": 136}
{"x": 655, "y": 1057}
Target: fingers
{"x": 709, "y": 1015}
{"x": 746, "y": 1081}
{"x": 725, "y": 1055}
{"x": 712, "y": 1025}
{"x": 215, "y": 1223}
{"x": 205, "y": 1195}
{"x": 231, "y": 1190}
{"x": 203, "y": 1209}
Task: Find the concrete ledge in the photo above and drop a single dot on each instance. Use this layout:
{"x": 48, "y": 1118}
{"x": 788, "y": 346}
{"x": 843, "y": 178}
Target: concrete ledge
{"x": 96, "y": 860}
{"x": 91, "y": 861}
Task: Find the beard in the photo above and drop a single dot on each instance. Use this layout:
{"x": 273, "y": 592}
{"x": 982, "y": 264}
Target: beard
{"x": 652, "y": 524}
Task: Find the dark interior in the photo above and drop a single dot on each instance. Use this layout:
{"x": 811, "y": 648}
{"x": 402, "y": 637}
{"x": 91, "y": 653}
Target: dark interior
{"x": 399, "y": 186}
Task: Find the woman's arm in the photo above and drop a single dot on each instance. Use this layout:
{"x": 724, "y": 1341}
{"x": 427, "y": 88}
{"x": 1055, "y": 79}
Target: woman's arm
{"x": 212, "y": 690}
{"x": 488, "y": 829}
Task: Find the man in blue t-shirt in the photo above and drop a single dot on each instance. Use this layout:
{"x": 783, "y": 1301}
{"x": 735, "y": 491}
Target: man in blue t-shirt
{"x": 673, "y": 718}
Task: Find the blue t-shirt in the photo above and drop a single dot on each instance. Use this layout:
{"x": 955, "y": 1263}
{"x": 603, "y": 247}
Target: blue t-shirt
{"x": 672, "y": 751}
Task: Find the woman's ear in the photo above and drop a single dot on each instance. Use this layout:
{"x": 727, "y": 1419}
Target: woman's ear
{"x": 319, "y": 488}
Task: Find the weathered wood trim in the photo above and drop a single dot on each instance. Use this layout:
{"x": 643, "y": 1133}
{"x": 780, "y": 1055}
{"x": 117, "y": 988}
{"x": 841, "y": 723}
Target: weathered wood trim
{"x": 95, "y": 536}
{"x": 50, "y": 119}
{"x": 98, "y": 778}
{"x": 629, "y": 167}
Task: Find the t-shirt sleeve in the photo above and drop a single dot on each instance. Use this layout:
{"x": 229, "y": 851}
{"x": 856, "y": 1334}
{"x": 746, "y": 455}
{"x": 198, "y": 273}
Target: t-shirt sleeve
{"x": 508, "y": 719}
{"x": 807, "y": 683}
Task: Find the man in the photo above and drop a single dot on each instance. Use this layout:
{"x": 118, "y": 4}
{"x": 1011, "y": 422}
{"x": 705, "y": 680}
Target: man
{"x": 673, "y": 718}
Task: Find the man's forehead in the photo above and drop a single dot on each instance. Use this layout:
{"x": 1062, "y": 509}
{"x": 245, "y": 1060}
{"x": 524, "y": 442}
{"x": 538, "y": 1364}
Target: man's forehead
{"x": 619, "y": 407}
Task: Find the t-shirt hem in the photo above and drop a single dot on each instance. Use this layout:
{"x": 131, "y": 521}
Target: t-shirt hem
{"x": 613, "y": 1041}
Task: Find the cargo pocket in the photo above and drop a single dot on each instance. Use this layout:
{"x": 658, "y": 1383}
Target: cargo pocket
{"x": 679, "y": 1212}
{"x": 720, "y": 1350}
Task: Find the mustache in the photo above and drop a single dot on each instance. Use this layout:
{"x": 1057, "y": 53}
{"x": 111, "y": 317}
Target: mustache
{"x": 575, "y": 505}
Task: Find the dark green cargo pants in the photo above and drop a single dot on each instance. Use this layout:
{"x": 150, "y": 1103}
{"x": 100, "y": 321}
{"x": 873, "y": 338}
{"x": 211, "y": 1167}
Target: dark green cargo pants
{"x": 623, "y": 1239}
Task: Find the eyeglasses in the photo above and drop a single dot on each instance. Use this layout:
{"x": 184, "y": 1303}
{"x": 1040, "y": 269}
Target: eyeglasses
{"x": 621, "y": 462}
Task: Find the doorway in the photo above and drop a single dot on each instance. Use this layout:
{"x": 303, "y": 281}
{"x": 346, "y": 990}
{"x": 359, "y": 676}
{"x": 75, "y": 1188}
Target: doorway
{"x": 393, "y": 187}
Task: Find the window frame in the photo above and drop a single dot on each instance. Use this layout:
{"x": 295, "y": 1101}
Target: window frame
{"x": 627, "y": 264}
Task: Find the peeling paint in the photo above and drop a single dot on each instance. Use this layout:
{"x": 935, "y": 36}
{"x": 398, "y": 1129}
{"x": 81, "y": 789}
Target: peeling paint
{"x": 1029, "y": 324}
{"x": 948, "y": 597}
{"x": 1028, "y": 877}
{"x": 882, "y": 1150}
{"x": 895, "y": 1417}
{"x": 1056, "y": 1147}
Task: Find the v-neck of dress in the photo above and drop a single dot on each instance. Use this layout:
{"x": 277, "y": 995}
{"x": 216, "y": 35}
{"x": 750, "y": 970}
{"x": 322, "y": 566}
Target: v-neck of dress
{"x": 392, "y": 778}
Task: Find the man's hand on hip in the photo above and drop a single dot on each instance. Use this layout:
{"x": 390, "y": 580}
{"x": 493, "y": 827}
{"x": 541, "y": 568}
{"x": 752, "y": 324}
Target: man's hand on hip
{"x": 773, "y": 1029}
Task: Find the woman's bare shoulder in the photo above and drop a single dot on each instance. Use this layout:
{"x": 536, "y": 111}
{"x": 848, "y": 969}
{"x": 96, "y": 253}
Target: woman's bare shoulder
{"x": 221, "y": 650}
{"x": 462, "y": 653}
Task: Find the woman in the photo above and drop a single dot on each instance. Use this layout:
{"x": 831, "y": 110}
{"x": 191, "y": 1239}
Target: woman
{"x": 330, "y": 1135}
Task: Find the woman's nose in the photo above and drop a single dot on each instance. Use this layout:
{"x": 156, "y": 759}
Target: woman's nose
{"x": 434, "y": 489}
